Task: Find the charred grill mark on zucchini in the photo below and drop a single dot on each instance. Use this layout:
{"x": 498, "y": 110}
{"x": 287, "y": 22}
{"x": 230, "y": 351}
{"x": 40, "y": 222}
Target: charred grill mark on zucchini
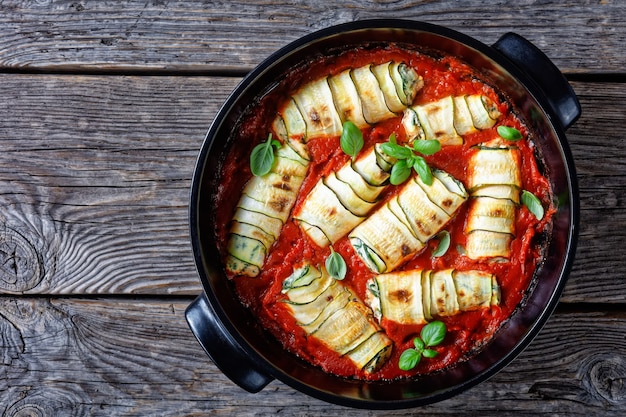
{"x": 330, "y": 312}
{"x": 449, "y": 118}
{"x": 417, "y": 296}
{"x": 494, "y": 182}
{"x": 263, "y": 208}
{"x": 398, "y": 230}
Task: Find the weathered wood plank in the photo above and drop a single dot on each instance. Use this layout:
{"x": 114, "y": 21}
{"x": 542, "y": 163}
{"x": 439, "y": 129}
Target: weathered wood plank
{"x": 77, "y": 357}
{"x": 96, "y": 172}
{"x": 234, "y": 36}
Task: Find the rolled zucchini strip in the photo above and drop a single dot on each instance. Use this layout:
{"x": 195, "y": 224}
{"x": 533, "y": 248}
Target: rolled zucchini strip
{"x": 495, "y": 183}
{"x": 417, "y": 296}
{"x": 449, "y": 118}
{"x": 333, "y": 314}
{"x": 398, "y": 230}
{"x": 262, "y": 210}
{"x": 342, "y": 199}
{"x": 363, "y": 95}
{"x": 316, "y": 105}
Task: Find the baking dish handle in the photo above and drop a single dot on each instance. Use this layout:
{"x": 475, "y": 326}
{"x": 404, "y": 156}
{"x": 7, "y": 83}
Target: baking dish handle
{"x": 222, "y": 348}
{"x": 539, "y": 67}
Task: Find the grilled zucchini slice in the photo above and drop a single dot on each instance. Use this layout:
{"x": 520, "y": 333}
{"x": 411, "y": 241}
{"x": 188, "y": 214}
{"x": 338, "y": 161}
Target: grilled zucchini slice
{"x": 362, "y": 188}
{"x": 425, "y": 217}
{"x": 270, "y": 225}
{"x": 347, "y": 328}
{"x": 346, "y": 97}
{"x": 417, "y": 296}
{"x": 317, "y": 107}
{"x": 320, "y": 107}
{"x": 387, "y": 238}
{"x": 262, "y": 209}
{"x": 388, "y": 87}
{"x": 492, "y": 215}
{"x": 334, "y": 206}
{"x": 324, "y": 210}
{"x": 495, "y": 183}
{"x": 401, "y": 296}
{"x": 484, "y": 111}
{"x": 505, "y": 192}
{"x": 368, "y": 166}
{"x": 445, "y": 191}
{"x": 372, "y": 97}
{"x": 475, "y": 289}
{"x": 334, "y": 303}
{"x": 448, "y": 118}
{"x": 305, "y": 294}
{"x": 482, "y": 244}
{"x": 494, "y": 166}
{"x": 443, "y": 299}
{"x": 437, "y": 121}
{"x": 372, "y": 353}
{"x": 463, "y": 123}
{"x": 398, "y": 230}
{"x": 349, "y": 199}
{"x": 329, "y": 311}
{"x": 249, "y": 250}
{"x": 407, "y": 81}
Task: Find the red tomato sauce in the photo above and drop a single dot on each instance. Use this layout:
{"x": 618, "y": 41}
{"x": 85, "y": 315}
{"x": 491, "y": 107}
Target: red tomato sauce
{"x": 466, "y": 332}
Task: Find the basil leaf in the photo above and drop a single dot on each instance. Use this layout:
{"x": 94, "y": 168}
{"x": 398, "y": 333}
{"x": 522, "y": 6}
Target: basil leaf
{"x": 433, "y": 333}
{"x": 399, "y": 172}
{"x": 423, "y": 170}
{"x": 443, "y": 245}
{"x": 409, "y": 359}
{"x": 509, "y": 133}
{"x": 262, "y": 157}
{"x": 336, "y": 266}
{"x": 419, "y": 344}
{"x": 396, "y": 151}
{"x": 427, "y": 146}
{"x": 351, "y": 140}
{"x": 533, "y": 204}
{"x": 429, "y": 353}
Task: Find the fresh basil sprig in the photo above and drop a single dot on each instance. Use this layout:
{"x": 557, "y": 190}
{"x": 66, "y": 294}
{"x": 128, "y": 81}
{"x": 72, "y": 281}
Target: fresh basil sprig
{"x": 532, "y": 202}
{"x": 407, "y": 159}
{"x": 431, "y": 335}
{"x": 509, "y": 133}
{"x": 262, "y": 156}
{"x": 336, "y": 265}
{"x": 351, "y": 140}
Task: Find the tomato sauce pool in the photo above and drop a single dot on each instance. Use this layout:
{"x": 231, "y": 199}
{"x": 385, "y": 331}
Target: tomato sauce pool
{"x": 466, "y": 332}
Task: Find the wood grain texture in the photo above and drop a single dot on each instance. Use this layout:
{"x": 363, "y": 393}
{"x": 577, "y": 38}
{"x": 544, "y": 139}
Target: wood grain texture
{"x": 49, "y": 35}
{"x": 96, "y": 172}
{"x": 76, "y": 357}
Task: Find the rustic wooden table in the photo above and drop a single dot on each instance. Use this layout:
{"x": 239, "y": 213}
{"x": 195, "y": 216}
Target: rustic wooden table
{"x": 103, "y": 107}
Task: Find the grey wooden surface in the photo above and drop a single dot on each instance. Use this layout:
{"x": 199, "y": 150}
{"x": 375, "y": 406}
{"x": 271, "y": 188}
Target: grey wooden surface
{"x": 103, "y": 108}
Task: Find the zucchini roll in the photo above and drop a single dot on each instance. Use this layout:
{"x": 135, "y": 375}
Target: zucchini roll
{"x": 449, "y": 118}
{"x": 398, "y": 230}
{"x": 342, "y": 199}
{"x": 332, "y": 313}
{"x": 417, "y": 296}
{"x": 364, "y": 95}
{"x": 263, "y": 208}
{"x": 494, "y": 182}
